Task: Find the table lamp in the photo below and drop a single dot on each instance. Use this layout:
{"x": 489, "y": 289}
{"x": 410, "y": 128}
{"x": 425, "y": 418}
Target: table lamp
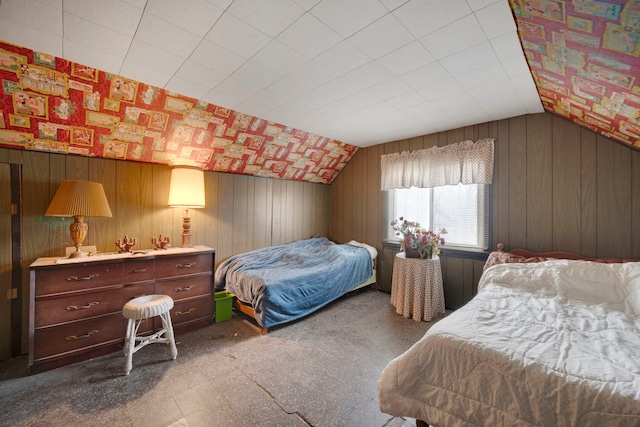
{"x": 78, "y": 199}
{"x": 186, "y": 190}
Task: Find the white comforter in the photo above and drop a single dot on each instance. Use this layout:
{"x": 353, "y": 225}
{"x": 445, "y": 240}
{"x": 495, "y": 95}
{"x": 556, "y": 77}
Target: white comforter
{"x": 555, "y": 343}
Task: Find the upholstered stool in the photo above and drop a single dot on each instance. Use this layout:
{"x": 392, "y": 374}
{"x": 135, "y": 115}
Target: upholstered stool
{"x": 146, "y": 307}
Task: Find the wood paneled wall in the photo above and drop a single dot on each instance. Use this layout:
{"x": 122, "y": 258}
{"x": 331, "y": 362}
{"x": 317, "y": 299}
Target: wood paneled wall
{"x": 557, "y": 187}
{"x": 242, "y": 212}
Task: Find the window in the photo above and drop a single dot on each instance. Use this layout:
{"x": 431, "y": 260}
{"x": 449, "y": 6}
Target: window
{"x": 462, "y": 209}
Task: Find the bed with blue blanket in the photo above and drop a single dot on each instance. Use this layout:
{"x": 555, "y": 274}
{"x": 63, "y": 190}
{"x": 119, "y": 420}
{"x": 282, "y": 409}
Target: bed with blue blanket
{"x": 278, "y": 284}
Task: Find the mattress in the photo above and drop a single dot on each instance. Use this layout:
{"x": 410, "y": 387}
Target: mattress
{"x": 555, "y": 343}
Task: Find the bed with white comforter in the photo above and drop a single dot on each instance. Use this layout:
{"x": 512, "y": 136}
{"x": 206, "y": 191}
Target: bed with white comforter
{"x": 554, "y": 343}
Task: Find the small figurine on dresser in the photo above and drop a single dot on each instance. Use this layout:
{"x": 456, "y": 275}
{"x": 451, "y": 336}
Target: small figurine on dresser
{"x": 126, "y": 244}
{"x": 160, "y": 242}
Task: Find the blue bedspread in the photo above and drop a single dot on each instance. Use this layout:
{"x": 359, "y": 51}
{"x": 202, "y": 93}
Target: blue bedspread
{"x": 287, "y": 282}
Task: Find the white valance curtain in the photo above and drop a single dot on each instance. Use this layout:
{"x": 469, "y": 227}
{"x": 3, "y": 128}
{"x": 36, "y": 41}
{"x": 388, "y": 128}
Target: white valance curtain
{"x": 465, "y": 162}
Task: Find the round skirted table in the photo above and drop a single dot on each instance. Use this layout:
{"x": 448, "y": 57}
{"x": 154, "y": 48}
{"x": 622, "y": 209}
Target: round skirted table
{"x": 416, "y": 287}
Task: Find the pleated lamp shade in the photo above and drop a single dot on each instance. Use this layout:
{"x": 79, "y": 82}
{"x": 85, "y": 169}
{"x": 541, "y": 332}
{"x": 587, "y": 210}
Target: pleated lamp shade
{"x": 84, "y": 198}
{"x": 79, "y": 199}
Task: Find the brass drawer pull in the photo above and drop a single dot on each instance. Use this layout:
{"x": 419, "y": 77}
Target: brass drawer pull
{"x": 188, "y": 288}
{"x": 82, "y": 307}
{"x": 76, "y": 278}
{"x": 140, "y": 270}
{"x": 79, "y": 337}
{"x": 180, "y": 313}
{"x": 191, "y": 264}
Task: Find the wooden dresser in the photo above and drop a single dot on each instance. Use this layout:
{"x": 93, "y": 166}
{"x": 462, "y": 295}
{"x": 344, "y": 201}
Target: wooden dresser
{"x": 75, "y": 306}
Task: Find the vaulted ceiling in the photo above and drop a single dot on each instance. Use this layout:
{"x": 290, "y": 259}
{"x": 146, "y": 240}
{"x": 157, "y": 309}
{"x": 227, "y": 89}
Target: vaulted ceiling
{"x": 359, "y": 71}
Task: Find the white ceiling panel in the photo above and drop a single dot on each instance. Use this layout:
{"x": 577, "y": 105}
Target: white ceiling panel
{"x": 100, "y": 38}
{"x": 422, "y": 17}
{"x": 84, "y": 54}
{"x": 496, "y": 19}
{"x": 426, "y": 76}
{"x": 307, "y": 4}
{"x": 456, "y": 37}
{"x": 309, "y": 37}
{"x": 31, "y": 14}
{"x": 278, "y": 57}
{"x": 195, "y": 16}
{"x": 256, "y": 75}
{"x": 216, "y": 57}
{"x": 448, "y": 87}
{"x": 154, "y": 58}
{"x": 116, "y": 15}
{"x": 390, "y": 88}
{"x": 166, "y": 36}
{"x": 507, "y": 46}
{"x": 368, "y": 75}
{"x": 471, "y": 59}
{"x": 312, "y": 74}
{"x": 492, "y": 73}
{"x": 271, "y": 17}
{"x": 33, "y": 38}
{"x": 348, "y": 17}
{"x": 476, "y": 5}
{"x": 361, "y": 71}
{"x": 516, "y": 66}
{"x": 200, "y": 74}
{"x": 381, "y": 37}
{"x": 237, "y": 36}
{"x": 407, "y": 58}
{"x": 342, "y": 58}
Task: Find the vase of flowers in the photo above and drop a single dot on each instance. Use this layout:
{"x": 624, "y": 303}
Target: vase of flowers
{"x": 417, "y": 242}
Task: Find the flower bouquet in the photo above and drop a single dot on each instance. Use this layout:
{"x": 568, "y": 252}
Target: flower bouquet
{"x": 416, "y": 241}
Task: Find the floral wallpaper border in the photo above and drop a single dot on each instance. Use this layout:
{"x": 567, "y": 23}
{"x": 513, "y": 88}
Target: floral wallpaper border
{"x": 584, "y": 57}
{"x": 55, "y": 105}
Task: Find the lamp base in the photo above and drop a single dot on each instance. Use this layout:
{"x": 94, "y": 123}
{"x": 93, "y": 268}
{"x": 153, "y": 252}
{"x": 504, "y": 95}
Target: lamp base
{"x": 78, "y": 254}
{"x": 78, "y": 230}
{"x": 186, "y": 229}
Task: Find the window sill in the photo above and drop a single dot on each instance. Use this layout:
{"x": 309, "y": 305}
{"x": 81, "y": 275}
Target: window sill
{"x": 467, "y": 253}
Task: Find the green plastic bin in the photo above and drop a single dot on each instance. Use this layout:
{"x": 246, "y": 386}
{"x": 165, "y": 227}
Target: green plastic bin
{"x": 224, "y": 305}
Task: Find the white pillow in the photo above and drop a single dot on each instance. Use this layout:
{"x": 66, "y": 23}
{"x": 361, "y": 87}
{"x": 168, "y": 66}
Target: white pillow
{"x": 372, "y": 251}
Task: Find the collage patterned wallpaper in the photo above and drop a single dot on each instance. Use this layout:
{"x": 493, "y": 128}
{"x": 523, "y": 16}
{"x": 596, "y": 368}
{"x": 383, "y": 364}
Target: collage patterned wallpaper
{"x": 55, "y": 105}
{"x": 583, "y": 55}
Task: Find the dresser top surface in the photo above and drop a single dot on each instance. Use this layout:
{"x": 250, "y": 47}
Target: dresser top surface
{"x": 141, "y": 254}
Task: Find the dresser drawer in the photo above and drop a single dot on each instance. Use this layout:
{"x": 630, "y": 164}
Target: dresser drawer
{"x": 185, "y": 287}
{"x": 192, "y": 309}
{"x": 76, "y": 277}
{"x": 137, "y": 290}
{"x": 138, "y": 270}
{"x": 77, "y": 336}
{"x": 51, "y": 311}
{"x": 184, "y": 264}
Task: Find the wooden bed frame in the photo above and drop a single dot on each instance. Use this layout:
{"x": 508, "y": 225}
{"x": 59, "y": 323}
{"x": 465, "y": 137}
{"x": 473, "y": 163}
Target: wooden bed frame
{"x": 561, "y": 255}
{"x": 557, "y": 255}
{"x": 249, "y": 311}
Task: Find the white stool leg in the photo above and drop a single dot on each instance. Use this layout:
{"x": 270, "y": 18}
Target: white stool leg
{"x": 166, "y": 323}
{"x": 130, "y": 343}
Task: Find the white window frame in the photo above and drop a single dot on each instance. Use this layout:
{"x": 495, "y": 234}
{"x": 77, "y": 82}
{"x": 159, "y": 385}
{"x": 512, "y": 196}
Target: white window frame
{"x": 482, "y": 217}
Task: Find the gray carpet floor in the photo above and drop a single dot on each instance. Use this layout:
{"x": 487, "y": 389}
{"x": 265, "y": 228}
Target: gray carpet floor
{"x": 319, "y": 371}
